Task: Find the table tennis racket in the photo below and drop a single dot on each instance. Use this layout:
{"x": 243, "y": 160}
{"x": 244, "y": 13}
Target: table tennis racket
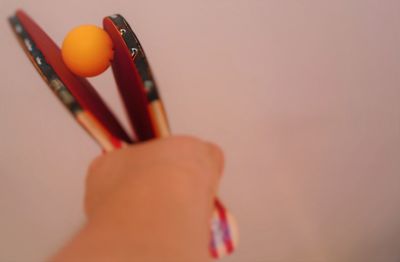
{"x": 76, "y": 93}
{"x": 135, "y": 79}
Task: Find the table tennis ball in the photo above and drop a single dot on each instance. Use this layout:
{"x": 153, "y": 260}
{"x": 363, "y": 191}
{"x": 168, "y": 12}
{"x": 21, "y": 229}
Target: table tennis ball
{"x": 87, "y": 50}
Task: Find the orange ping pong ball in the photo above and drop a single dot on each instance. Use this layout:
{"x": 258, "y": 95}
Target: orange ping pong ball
{"x": 87, "y": 50}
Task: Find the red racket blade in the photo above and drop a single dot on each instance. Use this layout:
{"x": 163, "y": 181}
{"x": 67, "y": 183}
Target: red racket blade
{"x": 79, "y": 87}
{"x": 135, "y": 81}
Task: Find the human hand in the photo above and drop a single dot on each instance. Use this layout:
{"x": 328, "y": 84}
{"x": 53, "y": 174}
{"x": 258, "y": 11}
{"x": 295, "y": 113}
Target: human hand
{"x": 149, "y": 202}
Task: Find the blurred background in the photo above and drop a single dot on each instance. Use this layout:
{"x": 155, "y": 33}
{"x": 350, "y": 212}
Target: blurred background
{"x": 302, "y": 95}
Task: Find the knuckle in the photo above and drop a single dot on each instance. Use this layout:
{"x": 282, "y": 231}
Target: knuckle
{"x": 186, "y": 141}
{"x": 204, "y": 156}
{"x": 182, "y": 147}
{"x": 216, "y": 152}
{"x": 215, "y": 159}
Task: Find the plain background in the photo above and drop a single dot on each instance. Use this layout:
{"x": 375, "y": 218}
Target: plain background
{"x": 303, "y": 96}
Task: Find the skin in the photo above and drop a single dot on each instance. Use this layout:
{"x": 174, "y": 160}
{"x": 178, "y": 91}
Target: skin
{"x": 149, "y": 202}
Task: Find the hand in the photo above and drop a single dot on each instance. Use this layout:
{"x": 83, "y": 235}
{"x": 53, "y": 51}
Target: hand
{"x": 149, "y": 202}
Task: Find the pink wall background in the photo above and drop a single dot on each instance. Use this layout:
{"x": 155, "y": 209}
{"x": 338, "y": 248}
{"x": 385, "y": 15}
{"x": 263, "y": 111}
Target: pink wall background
{"x": 303, "y": 96}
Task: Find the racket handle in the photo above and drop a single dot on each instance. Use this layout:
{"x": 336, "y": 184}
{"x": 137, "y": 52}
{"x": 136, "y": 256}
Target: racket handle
{"x": 224, "y": 231}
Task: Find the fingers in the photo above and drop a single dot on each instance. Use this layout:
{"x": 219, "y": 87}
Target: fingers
{"x": 194, "y": 164}
{"x": 205, "y": 157}
{"x": 208, "y": 156}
